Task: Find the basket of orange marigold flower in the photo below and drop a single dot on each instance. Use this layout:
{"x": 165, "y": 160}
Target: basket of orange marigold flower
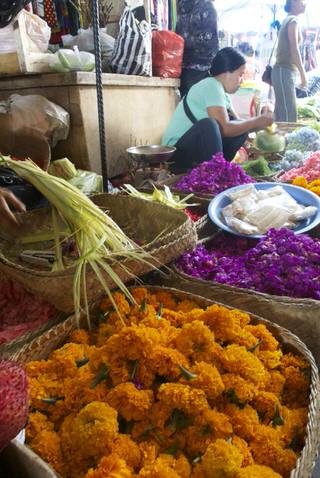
{"x": 181, "y": 386}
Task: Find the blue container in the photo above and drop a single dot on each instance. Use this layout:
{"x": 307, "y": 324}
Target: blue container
{"x": 301, "y": 195}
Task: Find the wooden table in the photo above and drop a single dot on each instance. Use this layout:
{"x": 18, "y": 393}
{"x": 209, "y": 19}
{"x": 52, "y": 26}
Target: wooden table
{"x": 137, "y": 111}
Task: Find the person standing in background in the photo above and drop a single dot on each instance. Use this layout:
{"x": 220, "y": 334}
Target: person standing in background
{"x": 288, "y": 64}
{"x": 197, "y": 24}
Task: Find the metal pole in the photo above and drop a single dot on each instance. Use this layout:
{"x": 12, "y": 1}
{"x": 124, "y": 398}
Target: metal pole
{"x": 99, "y": 88}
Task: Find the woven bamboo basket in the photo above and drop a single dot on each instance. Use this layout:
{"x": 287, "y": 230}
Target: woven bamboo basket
{"x": 204, "y": 226}
{"x": 7, "y": 348}
{"x": 42, "y": 346}
{"x": 164, "y": 232}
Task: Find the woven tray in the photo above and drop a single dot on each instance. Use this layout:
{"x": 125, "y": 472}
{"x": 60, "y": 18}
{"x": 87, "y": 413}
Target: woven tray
{"x": 42, "y": 346}
{"x": 7, "y": 348}
{"x": 164, "y": 232}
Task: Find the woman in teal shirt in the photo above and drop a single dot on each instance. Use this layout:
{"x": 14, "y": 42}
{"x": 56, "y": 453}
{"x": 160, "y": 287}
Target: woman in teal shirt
{"x": 203, "y": 123}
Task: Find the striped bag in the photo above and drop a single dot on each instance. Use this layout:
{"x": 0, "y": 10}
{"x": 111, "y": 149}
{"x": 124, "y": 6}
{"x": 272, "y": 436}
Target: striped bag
{"x": 132, "y": 50}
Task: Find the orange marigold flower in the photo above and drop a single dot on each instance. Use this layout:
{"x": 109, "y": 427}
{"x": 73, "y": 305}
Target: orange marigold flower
{"x": 137, "y": 341}
{"x": 159, "y": 469}
{"x": 182, "y": 466}
{"x": 296, "y": 388}
{"x": 149, "y": 452}
{"x": 315, "y": 189}
{"x": 47, "y": 445}
{"x": 268, "y": 434}
{"x": 197, "y": 439}
{"x": 166, "y": 362}
{"x": 236, "y": 359}
{"x": 39, "y": 367}
{"x": 243, "y": 447}
{"x": 314, "y": 183}
{"x": 243, "y": 389}
{"x": 176, "y": 318}
{"x": 208, "y": 427}
{"x": 221, "y": 460}
{"x": 110, "y": 466}
{"x": 144, "y": 375}
{"x": 119, "y": 370}
{"x": 66, "y": 357}
{"x": 105, "y": 330}
{"x": 166, "y": 299}
{"x": 270, "y": 359}
{"x": 187, "y": 305}
{"x": 225, "y": 323}
{"x": 245, "y": 338}
{"x": 218, "y": 422}
{"x": 43, "y": 388}
{"x": 78, "y": 392}
{"x": 276, "y": 383}
{"x": 271, "y": 453}
{"x": 140, "y": 294}
{"x": 244, "y": 421}
{"x": 198, "y": 471}
{"x": 292, "y": 360}
{"x": 159, "y": 415}
{"x": 37, "y": 422}
{"x": 122, "y": 303}
{"x": 131, "y": 403}
{"x": 171, "y": 467}
{"x": 294, "y": 428}
{"x": 257, "y": 471}
{"x": 79, "y": 336}
{"x": 261, "y": 332}
{"x": 266, "y": 404}
{"x": 195, "y": 340}
{"x": 183, "y": 397}
{"x": 300, "y": 181}
{"x": 128, "y": 450}
{"x": 94, "y": 429}
{"x": 207, "y": 379}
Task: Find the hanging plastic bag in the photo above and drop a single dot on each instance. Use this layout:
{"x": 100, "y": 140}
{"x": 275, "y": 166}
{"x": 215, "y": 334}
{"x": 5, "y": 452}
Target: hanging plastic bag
{"x": 167, "y": 54}
{"x": 132, "y": 49}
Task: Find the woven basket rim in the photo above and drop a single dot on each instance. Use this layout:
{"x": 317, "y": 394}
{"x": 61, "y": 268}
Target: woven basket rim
{"x": 306, "y": 461}
{"x": 303, "y": 301}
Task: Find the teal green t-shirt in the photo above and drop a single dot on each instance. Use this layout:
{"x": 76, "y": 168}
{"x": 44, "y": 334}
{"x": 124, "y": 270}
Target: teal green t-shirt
{"x": 202, "y": 95}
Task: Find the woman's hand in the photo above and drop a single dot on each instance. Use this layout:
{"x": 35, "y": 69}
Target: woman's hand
{"x": 8, "y": 198}
{"x": 266, "y": 119}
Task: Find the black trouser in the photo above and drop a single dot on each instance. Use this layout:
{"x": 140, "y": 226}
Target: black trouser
{"x": 201, "y": 142}
{"x": 189, "y": 78}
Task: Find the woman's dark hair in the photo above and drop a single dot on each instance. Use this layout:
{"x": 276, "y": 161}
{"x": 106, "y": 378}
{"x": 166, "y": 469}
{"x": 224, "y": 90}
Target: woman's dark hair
{"x": 288, "y": 6}
{"x": 226, "y": 60}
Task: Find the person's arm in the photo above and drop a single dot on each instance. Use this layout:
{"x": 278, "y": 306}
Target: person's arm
{"x": 8, "y": 198}
{"x": 235, "y": 128}
{"x": 293, "y": 34}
